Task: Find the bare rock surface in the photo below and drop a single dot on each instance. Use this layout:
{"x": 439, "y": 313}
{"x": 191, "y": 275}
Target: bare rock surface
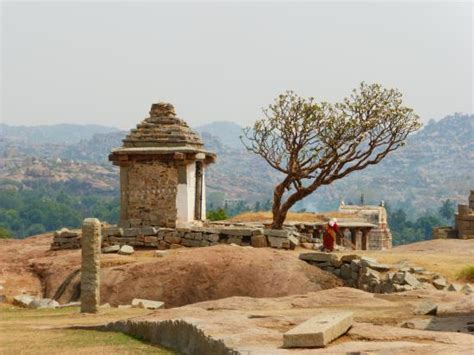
{"x": 257, "y": 325}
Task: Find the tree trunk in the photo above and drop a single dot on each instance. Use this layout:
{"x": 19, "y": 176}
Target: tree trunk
{"x": 279, "y": 218}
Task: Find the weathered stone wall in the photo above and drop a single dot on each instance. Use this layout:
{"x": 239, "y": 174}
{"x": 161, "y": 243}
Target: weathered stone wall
{"x": 66, "y": 239}
{"x": 152, "y": 189}
{"x": 170, "y": 238}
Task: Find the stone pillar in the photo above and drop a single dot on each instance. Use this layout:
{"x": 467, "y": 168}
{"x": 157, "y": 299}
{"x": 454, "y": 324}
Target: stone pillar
{"x": 365, "y": 239}
{"x": 90, "y": 267}
{"x": 124, "y": 194}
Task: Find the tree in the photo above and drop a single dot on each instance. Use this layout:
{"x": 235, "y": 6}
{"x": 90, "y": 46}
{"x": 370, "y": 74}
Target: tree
{"x": 447, "y": 210}
{"x": 313, "y": 144}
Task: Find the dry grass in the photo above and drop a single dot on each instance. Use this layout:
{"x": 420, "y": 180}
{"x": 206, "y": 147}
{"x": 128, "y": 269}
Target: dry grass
{"x": 466, "y": 273}
{"x": 266, "y": 217}
{"x": 24, "y": 331}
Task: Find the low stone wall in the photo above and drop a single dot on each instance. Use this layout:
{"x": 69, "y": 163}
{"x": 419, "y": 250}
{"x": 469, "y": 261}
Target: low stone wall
{"x": 367, "y": 274}
{"x": 171, "y": 238}
{"x": 66, "y": 239}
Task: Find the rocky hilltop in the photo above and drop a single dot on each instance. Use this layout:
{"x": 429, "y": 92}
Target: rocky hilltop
{"x": 436, "y": 164}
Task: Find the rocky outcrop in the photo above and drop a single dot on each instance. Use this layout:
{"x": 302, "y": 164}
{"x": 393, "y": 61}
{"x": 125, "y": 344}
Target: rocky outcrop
{"x": 367, "y": 274}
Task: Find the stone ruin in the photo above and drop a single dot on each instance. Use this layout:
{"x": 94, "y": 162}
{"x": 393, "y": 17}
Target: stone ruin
{"x": 464, "y": 223}
{"x": 162, "y": 164}
{"x": 162, "y": 199}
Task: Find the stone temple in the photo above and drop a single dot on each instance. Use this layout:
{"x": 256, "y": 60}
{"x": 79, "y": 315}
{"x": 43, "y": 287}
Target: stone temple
{"x": 162, "y": 164}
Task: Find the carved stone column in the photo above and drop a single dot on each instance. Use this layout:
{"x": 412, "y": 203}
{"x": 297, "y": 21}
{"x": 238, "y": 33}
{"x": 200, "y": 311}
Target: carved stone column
{"x": 90, "y": 267}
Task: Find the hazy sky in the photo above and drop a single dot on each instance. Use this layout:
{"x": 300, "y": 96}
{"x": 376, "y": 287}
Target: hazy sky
{"x": 105, "y": 63}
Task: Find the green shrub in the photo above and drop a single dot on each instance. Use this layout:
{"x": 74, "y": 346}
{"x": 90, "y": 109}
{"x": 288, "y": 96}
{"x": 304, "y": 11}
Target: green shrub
{"x": 466, "y": 273}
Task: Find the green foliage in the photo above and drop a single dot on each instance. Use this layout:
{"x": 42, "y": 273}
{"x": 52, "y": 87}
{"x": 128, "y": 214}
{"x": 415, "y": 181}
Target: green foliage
{"x": 4, "y": 233}
{"x": 406, "y": 231}
{"x": 47, "y": 208}
{"x": 447, "y": 210}
{"x": 217, "y": 215}
{"x": 466, "y": 274}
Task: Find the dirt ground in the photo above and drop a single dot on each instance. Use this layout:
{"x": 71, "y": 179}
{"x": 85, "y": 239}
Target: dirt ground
{"x": 181, "y": 277}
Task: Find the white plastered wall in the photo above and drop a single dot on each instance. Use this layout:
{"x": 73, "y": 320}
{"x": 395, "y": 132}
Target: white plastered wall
{"x": 186, "y": 194}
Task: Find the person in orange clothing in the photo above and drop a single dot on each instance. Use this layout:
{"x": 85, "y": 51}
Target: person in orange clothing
{"x": 329, "y": 236}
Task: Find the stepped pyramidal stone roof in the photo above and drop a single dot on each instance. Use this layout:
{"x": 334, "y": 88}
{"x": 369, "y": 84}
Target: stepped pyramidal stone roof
{"x": 162, "y": 136}
{"x": 162, "y": 129}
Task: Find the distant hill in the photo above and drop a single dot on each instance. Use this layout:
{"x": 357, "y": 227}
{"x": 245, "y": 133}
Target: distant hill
{"x": 437, "y": 163}
{"x": 57, "y": 133}
{"x": 227, "y": 132}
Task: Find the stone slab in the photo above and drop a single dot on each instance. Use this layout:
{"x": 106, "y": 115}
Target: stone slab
{"x": 147, "y": 231}
{"x": 131, "y": 232}
{"x": 318, "y": 331}
{"x": 277, "y": 242}
{"x": 280, "y": 233}
{"x": 148, "y": 304}
{"x": 111, "y": 249}
{"x": 259, "y": 241}
{"x": 238, "y": 232}
{"x": 319, "y": 257}
{"x": 126, "y": 250}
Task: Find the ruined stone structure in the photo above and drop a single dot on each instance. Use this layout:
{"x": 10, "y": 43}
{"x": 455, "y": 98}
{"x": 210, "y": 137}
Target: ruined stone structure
{"x": 90, "y": 266}
{"x": 377, "y": 238}
{"x": 465, "y": 219}
{"x": 162, "y": 164}
{"x": 464, "y": 223}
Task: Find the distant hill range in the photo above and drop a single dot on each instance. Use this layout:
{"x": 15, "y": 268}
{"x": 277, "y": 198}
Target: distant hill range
{"x": 437, "y": 163}
{"x": 52, "y": 134}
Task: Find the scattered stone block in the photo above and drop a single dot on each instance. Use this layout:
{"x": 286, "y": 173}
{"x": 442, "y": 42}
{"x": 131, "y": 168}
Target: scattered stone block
{"x": 366, "y": 261}
{"x": 160, "y": 253}
{"x": 355, "y": 265}
{"x": 318, "y": 331}
{"x": 259, "y": 241}
{"x": 41, "y": 303}
{"x": 23, "y": 300}
{"x": 65, "y": 233}
{"x": 294, "y": 242}
{"x": 148, "y": 304}
{"x": 454, "y": 287}
{"x": 440, "y": 283}
{"x": 411, "y": 280}
{"x": 126, "y": 250}
{"x": 467, "y": 289}
{"x": 346, "y": 271}
{"x": 105, "y": 306}
{"x": 417, "y": 270}
{"x": 307, "y": 245}
{"x": 380, "y": 267}
{"x": 348, "y": 258}
{"x": 426, "y": 308}
{"x": 318, "y": 257}
{"x": 111, "y": 249}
